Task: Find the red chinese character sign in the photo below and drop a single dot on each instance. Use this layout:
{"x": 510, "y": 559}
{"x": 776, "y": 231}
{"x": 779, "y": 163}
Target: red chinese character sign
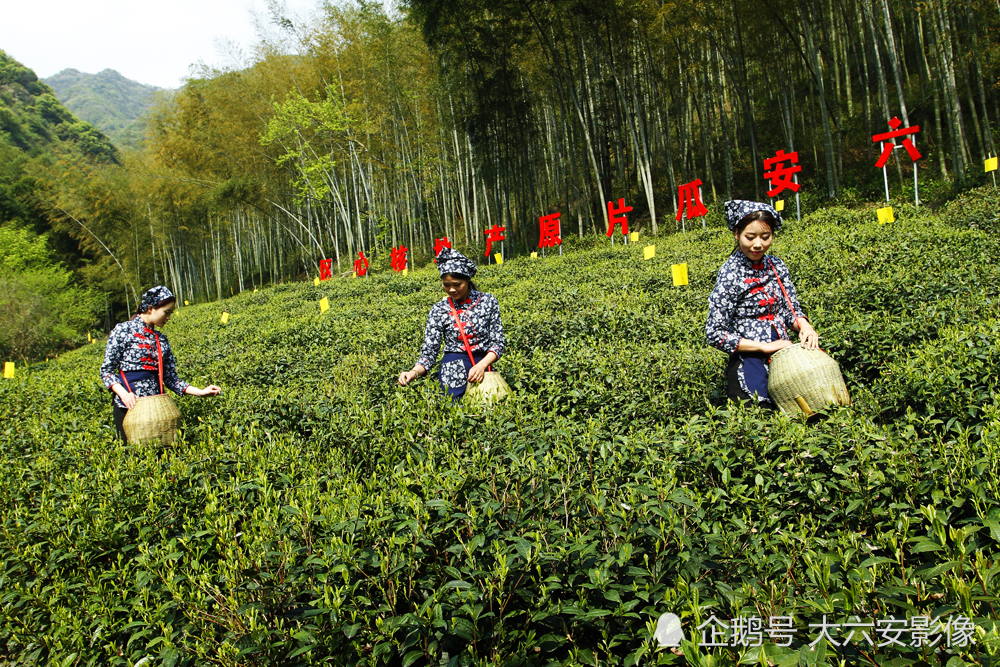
{"x": 783, "y": 177}
{"x": 615, "y": 218}
{"x": 887, "y": 140}
{"x": 325, "y": 269}
{"x": 549, "y": 232}
{"x": 439, "y": 245}
{"x": 689, "y": 198}
{"x": 494, "y": 233}
{"x": 361, "y": 264}
{"x": 399, "y": 258}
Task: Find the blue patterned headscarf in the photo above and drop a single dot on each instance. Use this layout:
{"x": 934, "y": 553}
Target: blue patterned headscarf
{"x": 452, "y": 261}
{"x": 737, "y": 209}
{"x": 153, "y": 297}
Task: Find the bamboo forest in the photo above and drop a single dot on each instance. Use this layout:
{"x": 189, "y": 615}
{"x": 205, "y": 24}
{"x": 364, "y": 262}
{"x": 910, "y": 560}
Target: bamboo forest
{"x": 359, "y": 129}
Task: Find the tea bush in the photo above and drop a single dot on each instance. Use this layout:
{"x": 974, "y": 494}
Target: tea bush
{"x": 318, "y": 513}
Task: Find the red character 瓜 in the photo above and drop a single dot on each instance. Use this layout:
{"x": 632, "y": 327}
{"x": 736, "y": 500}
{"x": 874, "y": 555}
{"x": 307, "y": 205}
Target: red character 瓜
{"x": 689, "y": 196}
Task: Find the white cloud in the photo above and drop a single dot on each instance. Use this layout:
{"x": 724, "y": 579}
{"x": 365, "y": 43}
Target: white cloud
{"x": 151, "y": 42}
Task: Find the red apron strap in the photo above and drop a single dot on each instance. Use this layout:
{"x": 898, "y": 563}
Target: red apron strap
{"x": 125, "y": 381}
{"x": 159, "y": 359}
{"x": 782, "y": 286}
{"x": 461, "y": 330}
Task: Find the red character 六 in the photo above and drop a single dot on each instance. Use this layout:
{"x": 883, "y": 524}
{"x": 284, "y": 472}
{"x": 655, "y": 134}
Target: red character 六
{"x": 689, "y": 195}
{"x": 781, "y": 175}
{"x": 494, "y": 233}
{"x": 615, "y": 219}
{"x": 889, "y": 146}
{"x": 361, "y": 264}
{"x": 399, "y": 258}
{"x": 325, "y": 269}
{"x": 549, "y": 231}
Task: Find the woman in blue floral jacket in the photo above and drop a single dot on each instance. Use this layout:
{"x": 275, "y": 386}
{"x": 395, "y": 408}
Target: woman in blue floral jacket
{"x": 135, "y": 352}
{"x": 753, "y": 306}
{"x": 466, "y": 314}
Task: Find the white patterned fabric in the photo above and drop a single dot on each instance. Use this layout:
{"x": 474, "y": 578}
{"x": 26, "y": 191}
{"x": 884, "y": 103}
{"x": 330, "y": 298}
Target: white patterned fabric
{"x": 737, "y": 209}
{"x": 480, "y": 316}
{"x": 132, "y": 347}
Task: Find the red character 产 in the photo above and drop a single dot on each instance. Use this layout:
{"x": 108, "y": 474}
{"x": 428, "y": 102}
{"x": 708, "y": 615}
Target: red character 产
{"x": 494, "y": 233}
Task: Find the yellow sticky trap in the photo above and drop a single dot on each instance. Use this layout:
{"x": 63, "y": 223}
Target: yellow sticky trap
{"x": 779, "y": 205}
{"x": 680, "y": 272}
{"x": 885, "y": 215}
{"x": 355, "y": 274}
{"x": 406, "y": 270}
{"x": 991, "y": 164}
{"x": 499, "y": 258}
{"x": 8, "y": 370}
{"x": 316, "y": 282}
{"x": 225, "y": 318}
{"x": 534, "y": 255}
{"x": 324, "y": 305}
{"x": 254, "y": 289}
{"x": 89, "y": 339}
{"x": 649, "y": 252}
{"x": 186, "y": 301}
{"x": 93, "y": 341}
{"x": 635, "y": 237}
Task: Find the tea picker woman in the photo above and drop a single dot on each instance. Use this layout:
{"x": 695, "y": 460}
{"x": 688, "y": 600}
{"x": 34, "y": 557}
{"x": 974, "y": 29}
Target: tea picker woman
{"x": 753, "y": 306}
{"x": 468, "y": 321}
{"x": 137, "y": 353}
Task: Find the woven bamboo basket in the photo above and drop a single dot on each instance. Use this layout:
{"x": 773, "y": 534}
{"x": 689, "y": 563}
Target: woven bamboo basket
{"x": 492, "y": 389}
{"x": 805, "y": 381}
{"x": 154, "y": 418}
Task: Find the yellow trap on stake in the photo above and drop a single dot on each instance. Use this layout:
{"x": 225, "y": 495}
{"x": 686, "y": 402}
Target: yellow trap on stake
{"x": 885, "y": 215}
{"x": 680, "y": 272}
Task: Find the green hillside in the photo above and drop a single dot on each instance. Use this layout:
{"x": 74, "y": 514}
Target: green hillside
{"x": 318, "y": 513}
{"x": 106, "y": 100}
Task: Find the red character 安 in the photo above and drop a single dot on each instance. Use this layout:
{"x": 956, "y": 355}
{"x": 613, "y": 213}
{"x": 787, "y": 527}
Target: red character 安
{"x": 780, "y": 174}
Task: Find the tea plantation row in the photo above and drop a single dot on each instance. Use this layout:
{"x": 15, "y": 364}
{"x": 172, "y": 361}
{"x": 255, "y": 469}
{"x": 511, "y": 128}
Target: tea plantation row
{"x": 318, "y": 513}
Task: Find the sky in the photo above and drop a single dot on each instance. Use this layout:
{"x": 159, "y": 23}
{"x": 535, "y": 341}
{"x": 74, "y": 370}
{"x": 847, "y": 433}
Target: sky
{"x": 154, "y": 43}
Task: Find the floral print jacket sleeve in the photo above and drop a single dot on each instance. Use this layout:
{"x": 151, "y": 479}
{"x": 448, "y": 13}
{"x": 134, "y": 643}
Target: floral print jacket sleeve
{"x": 747, "y": 302}
{"x": 480, "y": 316}
{"x": 132, "y": 347}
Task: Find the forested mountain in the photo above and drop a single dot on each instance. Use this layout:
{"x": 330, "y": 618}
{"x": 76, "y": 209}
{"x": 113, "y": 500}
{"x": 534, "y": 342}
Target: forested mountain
{"x": 106, "y": 100}
{"x": 45, "y": 263}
